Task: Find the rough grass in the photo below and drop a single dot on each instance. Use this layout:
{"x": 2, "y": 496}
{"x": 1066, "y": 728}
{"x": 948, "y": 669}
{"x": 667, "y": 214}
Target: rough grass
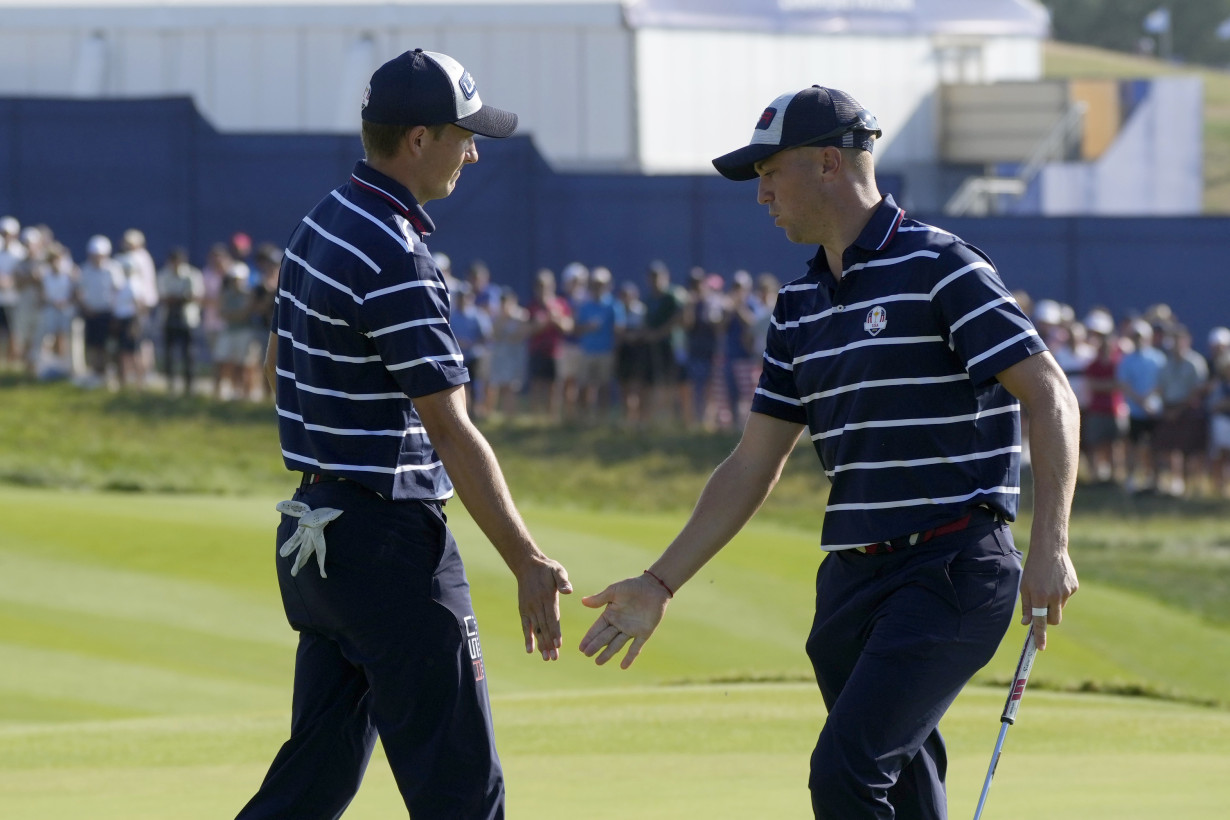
{"x": 145, "y": 673}
{"x": 145, "y": 663}
{"x": 56, "y": 436}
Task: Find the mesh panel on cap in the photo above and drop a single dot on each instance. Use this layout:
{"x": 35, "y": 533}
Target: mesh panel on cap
{"x": 845, "y": 108}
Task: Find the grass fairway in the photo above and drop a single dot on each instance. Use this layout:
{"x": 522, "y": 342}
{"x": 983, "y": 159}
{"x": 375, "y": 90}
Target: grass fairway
{"x": 145, "y": 673}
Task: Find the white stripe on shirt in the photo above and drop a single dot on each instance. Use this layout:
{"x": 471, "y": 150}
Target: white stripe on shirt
{"x": 959, "y": 272}
{"x": 400, "y": 240}
{"x": 294, "y": 301}
{"x": 435, "y": 320}
{"x": 891, "y": 340}
{"x": 349, "y": 431}
{"x": 320, "y": 391}
{"x": 918, "y": 502}
{"x": 919, "y": 380}
{"x": 896, "y": 260}
{"x": 413, "y": 283}
{"x": 934, "y": 420}
{"x": 367, "y": 260}
{"x": 318, "y": 275}
{"x": 976, "y": 312}
{"x": 316, "y": 351}
{"x": 777, "y": 397}
{"x": 455, "y": 358}
{"x": 856, "y": 306}
{"x": 921, "y": 462}
{"x": 364, "y": 468}
{"x": 926, "y": 229}
{"x": 1008, "y": 343}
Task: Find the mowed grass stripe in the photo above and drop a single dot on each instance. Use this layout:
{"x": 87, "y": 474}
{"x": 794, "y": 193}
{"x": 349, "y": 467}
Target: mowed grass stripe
{"x": 147, "y": 642}
{"x": 746, "y": 614}
{"x": 1113, "y": 637}
{"x": 92, "y": 590}
{"x": 664, "y": 752}
{"x": 201, "y": 539}
{"x": 141, "y": 688}
{"x": 730, "y": 620}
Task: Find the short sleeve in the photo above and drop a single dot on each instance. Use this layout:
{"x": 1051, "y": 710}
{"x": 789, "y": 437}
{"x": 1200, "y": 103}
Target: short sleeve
{"x": 984, "y": 325}
{"x": 408, "y": 322}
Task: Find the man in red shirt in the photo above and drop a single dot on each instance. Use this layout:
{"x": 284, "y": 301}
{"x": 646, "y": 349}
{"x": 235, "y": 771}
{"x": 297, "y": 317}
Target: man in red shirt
{"x": 550, "y": 319}
{"x": 1104, "y": 422}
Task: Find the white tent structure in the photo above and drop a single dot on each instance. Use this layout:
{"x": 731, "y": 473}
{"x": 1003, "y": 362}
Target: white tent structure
{"x": 653, "y": 86}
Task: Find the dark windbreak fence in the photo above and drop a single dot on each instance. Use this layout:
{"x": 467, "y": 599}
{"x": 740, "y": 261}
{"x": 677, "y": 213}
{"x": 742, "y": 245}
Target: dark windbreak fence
{"x": 102, "y": 166}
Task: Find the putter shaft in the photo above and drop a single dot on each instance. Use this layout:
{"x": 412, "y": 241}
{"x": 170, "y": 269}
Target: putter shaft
{"x": 1024, "y": 666}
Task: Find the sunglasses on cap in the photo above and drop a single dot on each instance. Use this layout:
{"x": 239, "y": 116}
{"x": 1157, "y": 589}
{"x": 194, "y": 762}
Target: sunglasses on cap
{"x": 863, "y": 121}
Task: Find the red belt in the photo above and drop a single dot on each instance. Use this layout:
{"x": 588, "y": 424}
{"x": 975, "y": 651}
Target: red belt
{"x": 905, "y": 541}
{"x": 317, "y": 478}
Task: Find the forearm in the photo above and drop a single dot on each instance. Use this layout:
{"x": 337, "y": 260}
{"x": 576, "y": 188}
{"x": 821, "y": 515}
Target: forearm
{"x": 1054, "y": 437}
{"x": 730, "y": 498}
{"x": 480, "y": 484}
{"x": 270, "y": 366}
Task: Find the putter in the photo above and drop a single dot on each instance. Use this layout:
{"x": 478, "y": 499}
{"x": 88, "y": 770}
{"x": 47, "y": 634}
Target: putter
{"x": 1023, "y": 667}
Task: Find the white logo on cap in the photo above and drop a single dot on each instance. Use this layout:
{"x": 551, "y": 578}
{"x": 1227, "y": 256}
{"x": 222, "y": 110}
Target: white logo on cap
{"x": 467, "y": 85}
{"x": 770, "y": 132}
{"x": 367, "y": 96}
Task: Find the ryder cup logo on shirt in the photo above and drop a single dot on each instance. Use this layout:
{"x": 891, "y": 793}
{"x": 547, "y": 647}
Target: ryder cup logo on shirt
{"x": 877, "y": 320}
{"x": 467, "y": 86}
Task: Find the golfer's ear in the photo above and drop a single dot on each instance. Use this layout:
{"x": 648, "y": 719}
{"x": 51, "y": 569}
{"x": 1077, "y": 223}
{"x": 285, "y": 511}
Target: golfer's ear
{"x": 415, "y": 138}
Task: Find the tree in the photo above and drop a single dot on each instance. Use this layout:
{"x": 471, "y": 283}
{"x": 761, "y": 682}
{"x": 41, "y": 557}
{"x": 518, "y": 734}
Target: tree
{"x": 1118, "y": 25}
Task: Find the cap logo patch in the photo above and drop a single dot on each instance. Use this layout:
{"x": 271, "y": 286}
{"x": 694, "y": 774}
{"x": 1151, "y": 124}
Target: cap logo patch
{"x": 467, "y": 85}
{"x": 766, "y": 119}
{"x": 877, "y": 320}
{"x": 367, "y": 97}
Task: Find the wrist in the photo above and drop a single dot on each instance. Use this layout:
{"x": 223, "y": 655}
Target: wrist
{"x": 670, "y": 592}
{"x": 526, "y": 560}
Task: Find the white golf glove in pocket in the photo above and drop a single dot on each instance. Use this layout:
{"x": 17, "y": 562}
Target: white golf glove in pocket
{"x": 309, "y": 538}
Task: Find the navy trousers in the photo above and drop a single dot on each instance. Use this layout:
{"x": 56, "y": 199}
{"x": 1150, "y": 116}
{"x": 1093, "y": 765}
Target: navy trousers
{"x": 388, "y": 648}
{"x": 895, "y": 638}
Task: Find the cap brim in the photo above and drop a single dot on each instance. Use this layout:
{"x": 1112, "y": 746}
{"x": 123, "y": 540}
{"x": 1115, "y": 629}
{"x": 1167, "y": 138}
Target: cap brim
{"x": 740, "y": 165}
{"x": 490, "y": 122}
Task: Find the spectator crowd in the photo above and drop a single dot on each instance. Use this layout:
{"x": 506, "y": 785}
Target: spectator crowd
{"x": 111, "y": 318}
{"x": 1155, "y": 410}
{"x": 583, "y": 349}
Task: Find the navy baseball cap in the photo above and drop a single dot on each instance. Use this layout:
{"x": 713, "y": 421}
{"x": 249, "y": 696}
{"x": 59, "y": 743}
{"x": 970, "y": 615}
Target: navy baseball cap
{"x": 814, "y": 116}
{"x": 428, "y": 88}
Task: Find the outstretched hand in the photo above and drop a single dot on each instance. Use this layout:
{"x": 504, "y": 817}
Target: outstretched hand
{"x": 538, "y": 591}
{"x": 634, "y": 608}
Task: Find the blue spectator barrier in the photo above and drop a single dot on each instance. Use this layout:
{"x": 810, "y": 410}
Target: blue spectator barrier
{"x": 102, "y": 166}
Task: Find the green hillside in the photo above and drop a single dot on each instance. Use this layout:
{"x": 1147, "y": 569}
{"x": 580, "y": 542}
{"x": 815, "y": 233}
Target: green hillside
{"x": 1066, "y": 60}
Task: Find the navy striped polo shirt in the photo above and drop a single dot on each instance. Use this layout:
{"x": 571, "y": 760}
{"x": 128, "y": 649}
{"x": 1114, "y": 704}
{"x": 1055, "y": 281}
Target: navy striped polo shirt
{"x": 892, "y": 369}
{"x": 362, "y": 320}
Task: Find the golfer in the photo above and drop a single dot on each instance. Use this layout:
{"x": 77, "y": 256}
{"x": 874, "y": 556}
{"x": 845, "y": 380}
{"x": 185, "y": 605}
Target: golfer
{"x": 371, "y": 413}
{"x": 908, "y": 363}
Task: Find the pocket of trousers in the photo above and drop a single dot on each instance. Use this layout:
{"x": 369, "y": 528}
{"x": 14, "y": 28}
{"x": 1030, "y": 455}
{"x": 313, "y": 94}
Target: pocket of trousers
{"x": 974, "y": 585}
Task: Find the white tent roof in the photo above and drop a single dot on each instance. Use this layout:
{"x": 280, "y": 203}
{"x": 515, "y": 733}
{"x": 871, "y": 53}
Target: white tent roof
{"x": 988, "y": 17}
{"x": 985, "y": 17}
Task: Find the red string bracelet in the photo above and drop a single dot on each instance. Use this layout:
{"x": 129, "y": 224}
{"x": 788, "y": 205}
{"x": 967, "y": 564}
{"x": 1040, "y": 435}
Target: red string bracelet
{"x": 669, "y": 591}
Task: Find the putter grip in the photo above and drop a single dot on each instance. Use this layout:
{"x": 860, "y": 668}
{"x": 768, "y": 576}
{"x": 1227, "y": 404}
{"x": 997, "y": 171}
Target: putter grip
{"x": 1023, "y": 668}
